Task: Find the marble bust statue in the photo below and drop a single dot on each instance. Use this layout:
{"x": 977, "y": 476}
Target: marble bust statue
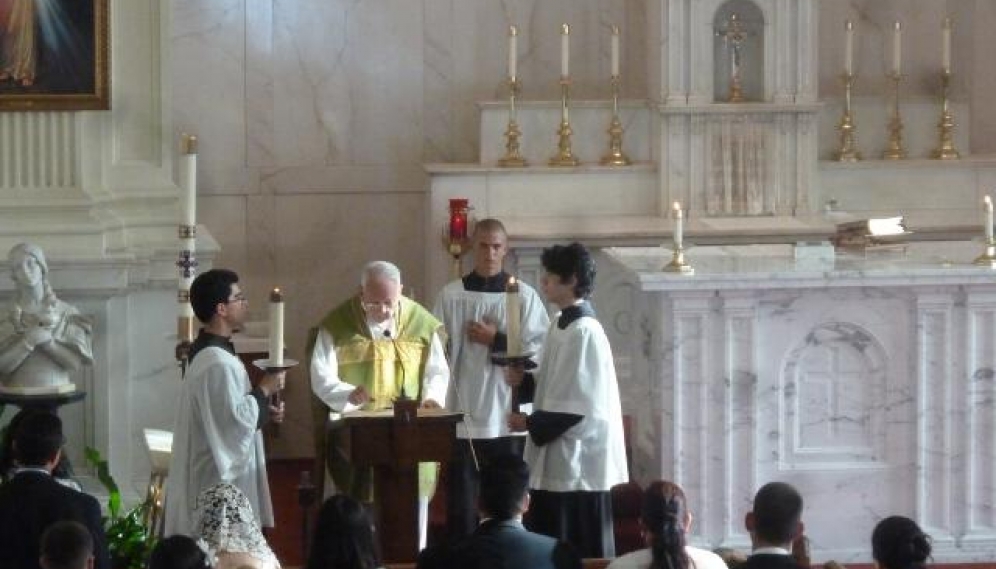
{"x": 42, "y": 339}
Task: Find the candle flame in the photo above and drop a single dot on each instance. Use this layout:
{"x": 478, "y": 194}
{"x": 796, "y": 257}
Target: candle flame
{"x": 898, "y": 26}
{"x": 276, "y": 295}
{"x": 677, "y": 206}
{"x": 615, "y": 30}
{"x": 987, "y": 200}
{"x": 565, "y": 29}
{"x": 947, "y": 23}
{"x": 511, "y": 280}
{"x": 513, "y": 31}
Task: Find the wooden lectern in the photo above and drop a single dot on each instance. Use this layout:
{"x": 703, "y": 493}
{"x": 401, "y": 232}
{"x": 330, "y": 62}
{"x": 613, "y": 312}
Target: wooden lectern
{"x": 393, "y": 443}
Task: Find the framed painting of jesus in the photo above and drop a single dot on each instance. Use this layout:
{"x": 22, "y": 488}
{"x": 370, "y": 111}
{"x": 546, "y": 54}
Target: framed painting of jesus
{"x": 54, "y": 55}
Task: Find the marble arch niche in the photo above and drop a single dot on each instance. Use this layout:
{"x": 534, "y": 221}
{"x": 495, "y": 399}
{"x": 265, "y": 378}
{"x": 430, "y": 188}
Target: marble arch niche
{"x": 738, "y": 53}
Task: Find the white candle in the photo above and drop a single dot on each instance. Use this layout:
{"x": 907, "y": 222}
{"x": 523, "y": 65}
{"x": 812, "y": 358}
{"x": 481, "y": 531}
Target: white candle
{"x": 987, "y": 218}
{"x": 848, "y": 47}
{"x": 513, "y": 328}
{"x": 897, "y": 47}
{"x": 276, "y": 327}
{"x": 188, "y": 179}
{"x": 679, "y": 225}
{"x": 946, "y": 45}
{"x": 565, "y": 50}
{"x": 615, "y": 51}
{"x": 513, "y": 37}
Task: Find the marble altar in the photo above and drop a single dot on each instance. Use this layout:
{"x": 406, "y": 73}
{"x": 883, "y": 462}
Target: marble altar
{"x": 866, "y": 381}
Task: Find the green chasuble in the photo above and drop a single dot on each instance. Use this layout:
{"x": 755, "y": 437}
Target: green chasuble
{"x": 384, "y": 367}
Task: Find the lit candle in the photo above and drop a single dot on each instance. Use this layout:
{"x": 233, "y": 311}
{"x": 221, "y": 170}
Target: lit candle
{"x": 897, "y": 47}
{"x": 615, "y": 51}
{"x": 565, "y": 50}
{"x": 848, "y": 47}
{"x": 276, "y": 327}
{"x": 946, "y": 45}
{"x": 679, "y": 225}
{"x": 513, "y": 37}
{"x": 513, "y": 328}
{"x": 987, "y": 218}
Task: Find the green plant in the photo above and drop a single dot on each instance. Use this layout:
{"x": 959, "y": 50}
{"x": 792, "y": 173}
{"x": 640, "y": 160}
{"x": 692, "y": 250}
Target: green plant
{"x": 128, "y": 540}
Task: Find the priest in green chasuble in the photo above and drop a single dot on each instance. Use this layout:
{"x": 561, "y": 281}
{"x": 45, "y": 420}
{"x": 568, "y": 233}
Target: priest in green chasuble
{"x": 370, "y": 350}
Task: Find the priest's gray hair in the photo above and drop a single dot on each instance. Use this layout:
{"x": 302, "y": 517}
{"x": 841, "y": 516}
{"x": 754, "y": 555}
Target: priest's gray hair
{"x": 380, "y": 270}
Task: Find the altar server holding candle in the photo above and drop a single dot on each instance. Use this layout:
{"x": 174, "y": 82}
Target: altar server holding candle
{"x": 216, "y": 437}
{"x": 483, "y": 314}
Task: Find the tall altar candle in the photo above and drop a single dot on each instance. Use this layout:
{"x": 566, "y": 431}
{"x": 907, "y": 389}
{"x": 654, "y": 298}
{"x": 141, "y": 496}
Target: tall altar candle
{"x": 946, "y": 45}
{"x": 848, "y": 47}
{"x": 276, "y": 327}
{"x": 513, "y": 329}
{"x": 187, "y": 261}
{"x": 987, "y": 218}
{"x": 897, "y": 46}
{"x": 679, "y": 225}
{"x": 565, "y": 50}
{"x": 513, "y": 37}
{"x": 615, "y": 51}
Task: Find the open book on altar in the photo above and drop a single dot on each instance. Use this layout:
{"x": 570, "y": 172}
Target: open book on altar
{"x": 382, "y": 413}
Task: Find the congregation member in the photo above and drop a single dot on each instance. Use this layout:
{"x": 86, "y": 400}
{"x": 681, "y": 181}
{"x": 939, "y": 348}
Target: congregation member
{"x": 32, "y": 500}
{"x": 178, "y": 552}
{"x": 575, "y": 449}
{"x": 217, "y": 435}
{"x": 473, "y": 310}
{"x": 227, "y": 525}
{"x": 501, "y": 541}
{"x": 774, "y": 523}
{"x": 373, "y": 348}
{"x": 666, "y": 520}
{"x": 343, "y": 537}
{"x": 899, "y": 543}
{"x": 67, "y": 545}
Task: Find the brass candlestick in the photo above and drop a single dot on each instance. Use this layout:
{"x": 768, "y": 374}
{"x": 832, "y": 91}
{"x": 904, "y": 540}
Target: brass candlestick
{"x": 678, "y": 264}
{"x": 988, "y": 256}
{"x": 564, "y": 155}
{"x": 615, "y": 157}
{"x": 946, "y": 149}
{"x": 847, "y": 151}
{"x": 512, "y": 158}
{"x": 895, "y": 151}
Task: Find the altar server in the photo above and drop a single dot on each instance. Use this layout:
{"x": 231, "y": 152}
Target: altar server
{"x": 217, "y": 435}
{"x": 576, "y": 449}
{"x": 474, "y": 311}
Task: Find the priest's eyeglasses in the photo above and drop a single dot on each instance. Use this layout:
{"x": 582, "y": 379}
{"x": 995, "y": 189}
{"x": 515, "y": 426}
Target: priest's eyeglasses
{"x": 386, "y": 305}
{"x": 240, "y": 298}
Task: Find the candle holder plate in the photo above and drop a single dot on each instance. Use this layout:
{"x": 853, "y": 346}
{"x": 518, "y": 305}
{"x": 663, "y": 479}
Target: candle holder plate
{"x": 269, "y": 366}
{"x": 504, "y": 359}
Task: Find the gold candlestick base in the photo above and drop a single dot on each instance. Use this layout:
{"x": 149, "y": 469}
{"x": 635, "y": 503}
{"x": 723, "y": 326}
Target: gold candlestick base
{"x": 615, "y": 156}
{"x": 945, "y": 147}
{"x": 847, "y": 151}
{"x": 678, "y": 264}
{"x": 895, "y": 151}
{"x": 512, "y": 158}
{"x": 736, "y": 90}
{"x": 564, "y": 156}
{"x": 988, "y": 256}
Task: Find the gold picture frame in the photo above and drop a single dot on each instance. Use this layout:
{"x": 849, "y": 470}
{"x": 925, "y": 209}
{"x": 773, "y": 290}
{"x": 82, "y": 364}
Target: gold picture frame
{"x": 54, "y": 55}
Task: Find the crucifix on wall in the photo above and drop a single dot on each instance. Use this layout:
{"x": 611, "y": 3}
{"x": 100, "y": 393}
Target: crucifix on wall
{"x": 734, "y": 36}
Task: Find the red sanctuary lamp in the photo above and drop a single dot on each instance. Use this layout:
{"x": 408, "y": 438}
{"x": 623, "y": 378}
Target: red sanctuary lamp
{"x": 455, "y": 232}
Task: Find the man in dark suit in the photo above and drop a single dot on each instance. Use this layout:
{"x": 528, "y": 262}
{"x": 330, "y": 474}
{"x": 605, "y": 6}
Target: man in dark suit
{"x": 32, "y": 500}
{"x": 774, "y": 523}
{"x": 500, "y": 541}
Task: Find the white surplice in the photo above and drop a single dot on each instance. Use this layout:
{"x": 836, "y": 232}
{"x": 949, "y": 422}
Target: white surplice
{"x": 478, "y": 387}
{"x": 215, "y": 440}
{"x": 577, "y": 376}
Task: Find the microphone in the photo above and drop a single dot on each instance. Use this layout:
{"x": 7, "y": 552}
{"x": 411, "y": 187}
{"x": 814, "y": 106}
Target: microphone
{"x": 397, "y": 355}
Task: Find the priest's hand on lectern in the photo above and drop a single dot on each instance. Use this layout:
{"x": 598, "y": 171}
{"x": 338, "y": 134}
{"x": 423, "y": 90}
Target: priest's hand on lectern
{"x": 359, "y": 396}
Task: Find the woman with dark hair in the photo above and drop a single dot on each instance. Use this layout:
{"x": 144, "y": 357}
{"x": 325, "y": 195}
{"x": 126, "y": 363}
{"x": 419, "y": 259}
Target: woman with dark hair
{"x": 665, "y": 520}
{"x": 178, "y": 552}
{"x": 898, "y": 543}
{"x": 344, "y": 537}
